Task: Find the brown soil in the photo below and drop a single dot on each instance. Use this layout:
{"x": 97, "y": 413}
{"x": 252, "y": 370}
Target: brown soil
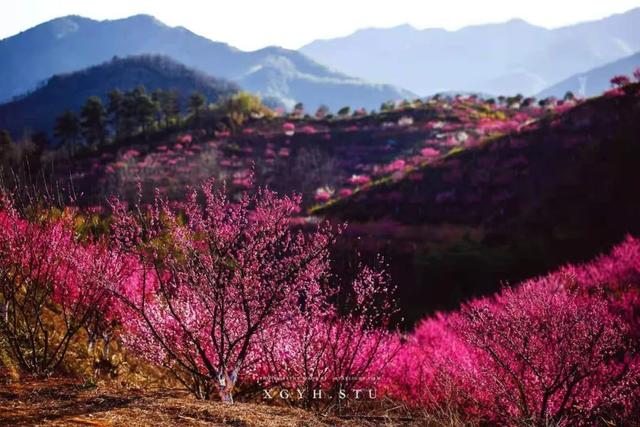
{"x": 62, "y": 402}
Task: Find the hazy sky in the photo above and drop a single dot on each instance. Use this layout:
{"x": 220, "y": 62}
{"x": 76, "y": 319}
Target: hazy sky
{"x": 252, "y": 24}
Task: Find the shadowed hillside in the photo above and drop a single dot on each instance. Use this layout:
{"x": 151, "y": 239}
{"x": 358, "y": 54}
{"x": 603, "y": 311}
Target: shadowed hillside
{"x": 559, "y": 190}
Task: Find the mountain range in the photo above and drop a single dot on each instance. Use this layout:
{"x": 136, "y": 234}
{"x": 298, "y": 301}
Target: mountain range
{"x": 73, "y": 43}
{"x": 501, "y": 59}
{"x": 38, "y": 110}
{"x": 506, "y": 58}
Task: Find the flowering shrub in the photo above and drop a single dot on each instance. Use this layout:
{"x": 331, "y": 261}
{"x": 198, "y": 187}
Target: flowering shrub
{"x": 289, "y": 129}
{"x": 51, "y": 286}
{"x": 429, "y": 152}
{"x": 345, "y": 192}
{"x": 620, "y": 81}
{"x": 323, "y": 194}
{"x": 546, "y": 355}
{"x": 615, "y": 92}
{"x": 559, "y": 349}
{"x": 216, "y": 282}
{"x": 335, "y": 347}
{"x": 359, "y": 180}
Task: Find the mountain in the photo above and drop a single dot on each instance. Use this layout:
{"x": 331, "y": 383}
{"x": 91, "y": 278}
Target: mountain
{"x": 595, "y": 81}
{"x": 72, "y": 43}
{"x": 501, "y": 59}
{"x": 280, "y": 77}
{"x": 39, "y": 109}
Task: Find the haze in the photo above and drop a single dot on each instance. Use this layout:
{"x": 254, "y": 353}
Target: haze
{"x": 251, "y": 25}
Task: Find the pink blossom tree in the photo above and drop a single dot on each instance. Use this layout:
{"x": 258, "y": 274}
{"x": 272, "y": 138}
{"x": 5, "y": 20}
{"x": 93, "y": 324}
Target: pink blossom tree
{"x": 559, "y": 349}
{"x": 339, "y": 343}
{"x": 214, "y": 279}
{"x": 52, "y": 285}
{"x": 546, "y": 354}
{"x": 620, "y": 81}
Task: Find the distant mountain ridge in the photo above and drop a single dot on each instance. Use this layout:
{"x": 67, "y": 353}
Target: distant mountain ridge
{"x": 594, "y": 82}
{"x": 38, "y": 110}
{"x": 73, "y": 43}
{"x": 501, "y": 59}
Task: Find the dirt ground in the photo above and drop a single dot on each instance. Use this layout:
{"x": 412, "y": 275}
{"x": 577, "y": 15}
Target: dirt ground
{"x": 61, "y": 402}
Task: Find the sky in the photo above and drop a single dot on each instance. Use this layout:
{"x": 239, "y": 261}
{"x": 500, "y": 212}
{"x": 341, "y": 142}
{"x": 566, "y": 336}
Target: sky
{"x": 253, "y": 24}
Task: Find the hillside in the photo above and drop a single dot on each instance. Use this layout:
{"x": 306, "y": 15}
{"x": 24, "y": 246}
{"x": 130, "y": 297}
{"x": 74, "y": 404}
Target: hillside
{"x": 558, "y": 190}
{"x": 461, "y": 196}
{"x": 563, "y": 157}
{"x": 324, "y": 160}
{"x": 39, "y": 109}
{"x": 509, "y": 189}
{"x": 595, "y": 81}
{"x": 504, "y": 58}
{"x": 73, "y": 43}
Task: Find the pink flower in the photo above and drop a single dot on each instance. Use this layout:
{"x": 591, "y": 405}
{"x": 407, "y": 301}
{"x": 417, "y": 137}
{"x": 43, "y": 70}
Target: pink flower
{"x": 429, "y": 152}
{"x": 345, "y": 192}
{"x": 619, "y": 81}
{"x": 185, "y": 139}
{"x": 283, "y": 152}
{"x": 359, "y": 179}
{"x": 289, "y": 128}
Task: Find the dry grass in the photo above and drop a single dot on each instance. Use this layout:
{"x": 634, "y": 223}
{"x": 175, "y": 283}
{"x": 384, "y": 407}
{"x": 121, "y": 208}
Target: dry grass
{"x": 64, "y": 402}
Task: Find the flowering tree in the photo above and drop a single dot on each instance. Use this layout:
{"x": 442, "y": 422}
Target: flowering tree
{"x": 620, "y": 81}
{"x": 51, "y": 286}
{"x": 546, "y": 354}
{"x": 558, "y": 349}
{"x": 213, "y": 277}
{"x": 338, "y": 343}
{"x": 427, "y": 370}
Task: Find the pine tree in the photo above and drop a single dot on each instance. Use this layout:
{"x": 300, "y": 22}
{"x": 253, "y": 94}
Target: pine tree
{"x": 93, "y": 121}
{"x": 67, "y": 130}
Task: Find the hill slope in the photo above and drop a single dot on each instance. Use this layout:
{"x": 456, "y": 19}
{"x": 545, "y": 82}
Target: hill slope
{"x": 501, "y": 59}
{"x": 596, "y": 80}
{"x": 580, "y": 161}
{"x": 39, "y": 109}
{"x": 516, "y": 206}
{"x": 72, "y": 43}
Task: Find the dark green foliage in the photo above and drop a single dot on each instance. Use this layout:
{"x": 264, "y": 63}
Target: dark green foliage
{"x": 344, "y": 111}
{"x": 93, "y": 122}
{"x": 197, "y": 101}
{"x": 115, "y": 110}
{"x": 67, "y": 130}
{"x": 144, "y": 109}
{"x": 5, "y": 146}
{"x": 390, "y": 106}
{"x": 5, "y": 139}
{"x": 170, "y": 107}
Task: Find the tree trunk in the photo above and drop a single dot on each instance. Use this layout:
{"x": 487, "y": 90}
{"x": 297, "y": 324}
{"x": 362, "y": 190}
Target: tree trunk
{"x": 226, "y": 385}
